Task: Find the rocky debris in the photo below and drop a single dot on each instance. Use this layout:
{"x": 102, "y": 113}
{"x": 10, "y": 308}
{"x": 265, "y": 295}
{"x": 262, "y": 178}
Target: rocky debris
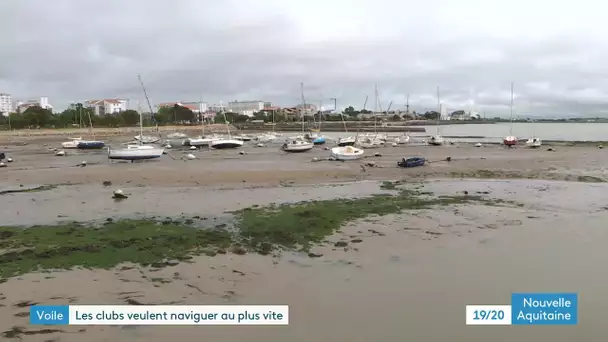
{"x": 370, "y": 163}
{"x": 550, "y": 149}
{"x": 190, "y": 156}
{"x": 193, "y": 147}
{"x": 341, "y": 244}
{"x": 107, "y": 183}
{"x": 377, "y": 154}
{"x": 448, "y": 159}
{"x": 478, "y": 145}
{"x": 119, "y": 194}
{"x": 315, "y": 159}
{"x": 242, "y": 153}
{"x": 60, "y": 153}
{"x": 238, "y": 250}
{"x": 2, "y": 164}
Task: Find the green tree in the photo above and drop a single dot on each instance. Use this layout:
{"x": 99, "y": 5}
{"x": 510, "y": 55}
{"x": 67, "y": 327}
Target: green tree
{"x": 431, "y": 115}
{"x": 38, "y": 116}
{"x": 130, "y": 117}
{"x": 164, "y": 115}
{"x": 183, "y": 114}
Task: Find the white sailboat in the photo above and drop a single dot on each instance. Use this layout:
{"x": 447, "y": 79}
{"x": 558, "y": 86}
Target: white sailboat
{"x": 137, "y": 151}
{"x": 348, "y": 140}
{"x": 202, "y": 140}
{"x": 437, "y": 139}
{"x": 226, "y": 142}
{"x": 404, "y": 138}
{"x": 299, "y": 143}
{"x": 510, "y": 140}
{"x": 533, "y": 142}
{"x": 369, "y": 140}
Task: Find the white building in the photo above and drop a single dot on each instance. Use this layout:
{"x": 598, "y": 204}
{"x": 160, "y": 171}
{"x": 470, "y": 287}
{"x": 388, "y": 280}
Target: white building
{"x": 43, "y": 102}
{"x": 107, "y": 106}
{"x": 443, "y": 112}
{"x": 247, "y": 107}
{"x": 6, "y": 104}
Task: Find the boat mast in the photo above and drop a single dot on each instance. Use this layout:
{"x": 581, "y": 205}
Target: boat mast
{"x": 303, "y": 104}
{"x": 200, "y": 110}
{"x": 438, "y": 109}
{"x": 149, "y": 106}
{"x": 511, "y": 110}
{"x": 90, "y": 122}
{"x": 141, "y": 123}
{"x": 375, "y": 106}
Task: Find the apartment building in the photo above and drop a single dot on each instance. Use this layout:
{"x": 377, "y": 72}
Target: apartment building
{"x": 42, "y": 102}
{"x": 107, "y": 106}
{"x": 247, "y": 107}
{"x": 6, "y": 104}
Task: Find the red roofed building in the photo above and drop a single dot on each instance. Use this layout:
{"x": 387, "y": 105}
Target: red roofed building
{"x": 107, "y": 106}
{"x": 196, "y": 107}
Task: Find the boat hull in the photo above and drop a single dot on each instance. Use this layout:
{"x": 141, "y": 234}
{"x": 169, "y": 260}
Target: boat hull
{"x": 135, "y": 153}
{"x": 411, "y": 162}
{"x": 509, "y": 141}
{"x": 90, "y": 145}
{"x": 319, "y": 141}
{"x": 346, "y": 153}
{"x": 346, "y": 143}
{"x": 536, "y": 143}
{"x": 297, "y": 148}
{"x": 226, "y": 144}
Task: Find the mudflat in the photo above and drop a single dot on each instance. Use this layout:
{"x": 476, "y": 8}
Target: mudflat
{"x": 384, "y": 253}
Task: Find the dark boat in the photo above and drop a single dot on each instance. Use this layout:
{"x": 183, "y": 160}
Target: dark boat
{"x": 411, "y": 162}
{"x": 91, "y": 145}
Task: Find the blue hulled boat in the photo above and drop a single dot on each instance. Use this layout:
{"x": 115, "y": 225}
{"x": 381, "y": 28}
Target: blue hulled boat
{"x": 411, "y": 162}
{"x": 319, "y": 141}
{"x": 90, "y": 145}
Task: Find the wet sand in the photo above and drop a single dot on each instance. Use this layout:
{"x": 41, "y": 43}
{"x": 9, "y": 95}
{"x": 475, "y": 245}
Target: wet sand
{"x": 409, "y": 278}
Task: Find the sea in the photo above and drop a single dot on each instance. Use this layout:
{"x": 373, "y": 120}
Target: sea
{"x": 490, "y": 133}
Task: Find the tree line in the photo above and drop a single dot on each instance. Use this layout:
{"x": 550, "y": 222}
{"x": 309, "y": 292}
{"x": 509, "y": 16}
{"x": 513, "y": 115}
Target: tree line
{"x": 81, "y": 116}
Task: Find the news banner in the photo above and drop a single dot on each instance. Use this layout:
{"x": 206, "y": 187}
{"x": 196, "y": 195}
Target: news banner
{"x": 525, "y": 309}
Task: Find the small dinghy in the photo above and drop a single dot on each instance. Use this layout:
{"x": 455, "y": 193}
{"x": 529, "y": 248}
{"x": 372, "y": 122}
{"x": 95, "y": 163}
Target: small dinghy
{"x": 319, "y": 140}
{"x": 411, "y": 162}
{"x": 346, "y": 153}
{"x": 90, "y": 145}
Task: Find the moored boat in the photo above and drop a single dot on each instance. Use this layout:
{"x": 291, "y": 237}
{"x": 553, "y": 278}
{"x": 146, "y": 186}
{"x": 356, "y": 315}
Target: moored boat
{"x": 225, "y": 143}
{"x": 346, "y": 153}
{"x": 534, "y": 143}
{"x": 297, "y": 145}
{"x": 90, "y": 145}
{"x": 346, "y": 141}
{"x": 135, "y": 152}
{"x": 411, "y": 162}
{"x": 435, "y": 140}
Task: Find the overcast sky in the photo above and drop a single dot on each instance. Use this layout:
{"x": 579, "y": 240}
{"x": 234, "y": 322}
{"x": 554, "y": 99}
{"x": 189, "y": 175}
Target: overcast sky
{"x": 555, "y": 51}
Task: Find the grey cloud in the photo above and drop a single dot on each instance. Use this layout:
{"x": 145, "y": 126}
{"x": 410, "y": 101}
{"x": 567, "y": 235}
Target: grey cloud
{"x": 232, "y": 49}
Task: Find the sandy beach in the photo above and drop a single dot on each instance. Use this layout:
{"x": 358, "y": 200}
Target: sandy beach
{"x": 538, "y": 226}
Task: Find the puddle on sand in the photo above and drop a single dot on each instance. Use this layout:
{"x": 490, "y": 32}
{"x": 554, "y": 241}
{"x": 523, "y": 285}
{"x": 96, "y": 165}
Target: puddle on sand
{"x": 403, "y": 284}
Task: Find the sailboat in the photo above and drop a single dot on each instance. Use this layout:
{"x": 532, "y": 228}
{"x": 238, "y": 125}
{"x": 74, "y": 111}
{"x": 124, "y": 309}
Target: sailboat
{"x": 137, "y": 151}
{"x": 372, "y": 140}
{"x": 349, "y": 140}
{"x": 510, "y": 140}
{"x": 79, "y": 143}
{"x": 226, "y": 143}
{"x": 437, "y": 139}
{"x": 533, "y": 142}
{"x": 298, "y": 144}
{"x": 202, "y": 140}
{"x": 404, "y": 138}
{"x": 315, "y": 133}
